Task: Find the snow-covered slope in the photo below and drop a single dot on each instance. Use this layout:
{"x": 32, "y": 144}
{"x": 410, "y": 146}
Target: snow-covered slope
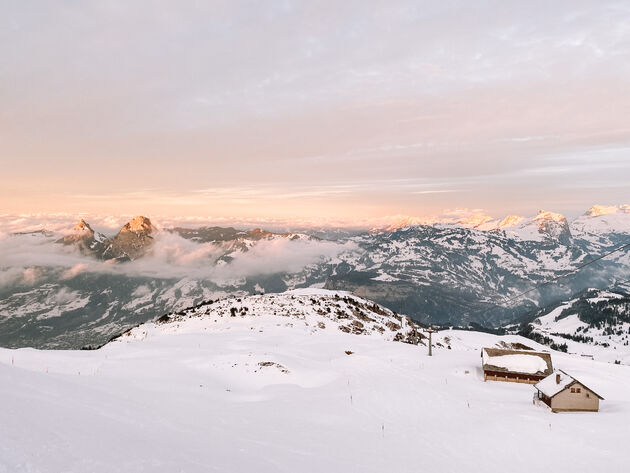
{"x": 594, "y": 323}
{"x": 315, "y": 308}
{"x": 603, "y": 226}
{"x": 545, "y": 225}
{"x": 277, "y": 393}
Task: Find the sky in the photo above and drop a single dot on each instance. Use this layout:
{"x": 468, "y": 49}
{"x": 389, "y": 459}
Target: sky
{"x": 320, "y": 111}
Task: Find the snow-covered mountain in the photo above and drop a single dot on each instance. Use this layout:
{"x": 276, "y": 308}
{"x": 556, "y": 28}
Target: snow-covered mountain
{"x": 488, "y": 223}
{"x": 595, "y": 323}
{"x": 315, "y": 308}
{"x": 445, "y": 273}
{"x": 545, "y": 226}
{"x": 404, "y": 221}
{"x": 440, "y": 273}
{"x": 603, "y": 226}
{"x": 213, "y": 389}
{"x": 599, "y": 222}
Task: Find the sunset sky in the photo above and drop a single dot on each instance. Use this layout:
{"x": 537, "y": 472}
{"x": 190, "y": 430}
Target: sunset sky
{"x": 345, "y": 110}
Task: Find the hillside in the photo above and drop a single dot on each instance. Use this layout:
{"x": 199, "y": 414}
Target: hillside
{"x": 312, "y": 307}
{"x": 449, "y": 274}
{"x": 594, "y": 323}
{"x": 204, "y": 390}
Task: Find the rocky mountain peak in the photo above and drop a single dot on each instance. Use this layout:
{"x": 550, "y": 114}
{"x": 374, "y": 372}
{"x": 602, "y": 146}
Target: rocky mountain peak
{"x": 133, "y": 240}
{"x": 547, "y": 215}
{"x": 84, "y": 237}
{"x": 82, "y": 227}
{"x": 553, "y": 226}
{"x": 138, "y": 224}
{"x": 258, "y": 233}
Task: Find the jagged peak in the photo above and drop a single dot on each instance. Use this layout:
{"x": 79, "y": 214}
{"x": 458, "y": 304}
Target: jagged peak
{"x": 82, "y": 234}
{"x": 82, "y": 226}
{"x": 138, "y": 224}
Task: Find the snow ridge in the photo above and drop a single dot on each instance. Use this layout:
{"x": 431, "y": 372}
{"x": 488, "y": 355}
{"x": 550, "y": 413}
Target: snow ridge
{"x": 316, "y": 309}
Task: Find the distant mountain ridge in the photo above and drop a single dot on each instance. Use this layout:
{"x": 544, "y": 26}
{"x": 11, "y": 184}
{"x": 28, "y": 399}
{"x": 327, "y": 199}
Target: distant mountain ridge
{"x": 137, "y": 236}
{"x": 545, "y": 225}
{"x": 444, "y": 273}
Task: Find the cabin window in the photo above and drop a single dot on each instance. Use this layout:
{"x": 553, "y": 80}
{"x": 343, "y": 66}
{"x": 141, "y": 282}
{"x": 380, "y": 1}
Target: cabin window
{"x": 578, "y": 390}
{"x": 588, "y": 395}
{"x": 573, "y": 390}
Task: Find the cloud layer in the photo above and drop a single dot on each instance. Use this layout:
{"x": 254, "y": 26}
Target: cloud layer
{"x": 28, "y": 259}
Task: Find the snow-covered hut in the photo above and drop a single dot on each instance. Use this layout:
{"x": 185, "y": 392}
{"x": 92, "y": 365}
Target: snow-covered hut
{"x": 517, "y": 366}
{"x": 563, "y": 393}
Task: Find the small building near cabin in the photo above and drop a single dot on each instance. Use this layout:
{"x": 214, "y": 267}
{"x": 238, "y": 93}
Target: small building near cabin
{"x": 516, "y": 366}
{"x": 563, "y": 393}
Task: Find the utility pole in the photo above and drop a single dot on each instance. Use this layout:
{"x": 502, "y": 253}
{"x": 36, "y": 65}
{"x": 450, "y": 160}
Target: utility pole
{"x": 430, "y": 331}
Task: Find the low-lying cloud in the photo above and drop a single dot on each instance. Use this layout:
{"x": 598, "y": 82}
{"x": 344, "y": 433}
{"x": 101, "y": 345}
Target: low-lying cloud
{"x": 26, "y": 259}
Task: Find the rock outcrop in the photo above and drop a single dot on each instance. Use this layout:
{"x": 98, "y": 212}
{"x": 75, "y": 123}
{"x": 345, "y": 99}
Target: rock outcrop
{"x": 133, "y": 241}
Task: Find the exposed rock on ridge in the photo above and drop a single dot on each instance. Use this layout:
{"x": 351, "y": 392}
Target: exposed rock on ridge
{"x": 134, "y": 240}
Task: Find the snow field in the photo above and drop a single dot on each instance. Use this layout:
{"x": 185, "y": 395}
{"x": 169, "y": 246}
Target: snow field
{"x": 211, "y": 395}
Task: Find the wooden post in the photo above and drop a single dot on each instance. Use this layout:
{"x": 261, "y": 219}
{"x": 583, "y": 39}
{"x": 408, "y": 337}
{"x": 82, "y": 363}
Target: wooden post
{"x": 430, "y": 331}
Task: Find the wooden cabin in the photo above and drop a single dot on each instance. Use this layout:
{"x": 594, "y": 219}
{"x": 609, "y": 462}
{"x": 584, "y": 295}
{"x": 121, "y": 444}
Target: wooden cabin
{"x": 516, "y": 366}
{"x": 563, "y": 393}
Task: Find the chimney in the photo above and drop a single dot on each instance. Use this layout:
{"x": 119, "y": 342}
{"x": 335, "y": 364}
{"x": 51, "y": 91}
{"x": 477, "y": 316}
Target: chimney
{"x": 557, "y": 378}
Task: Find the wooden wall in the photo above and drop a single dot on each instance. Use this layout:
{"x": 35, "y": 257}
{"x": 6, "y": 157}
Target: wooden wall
{"x": 565, "y": 400}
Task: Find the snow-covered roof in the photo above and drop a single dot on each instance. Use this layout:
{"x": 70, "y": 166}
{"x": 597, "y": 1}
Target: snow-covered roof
{"x": 558, "y": 381}
{"x": 517, "y": 361}
{"x": 521, "y": 363}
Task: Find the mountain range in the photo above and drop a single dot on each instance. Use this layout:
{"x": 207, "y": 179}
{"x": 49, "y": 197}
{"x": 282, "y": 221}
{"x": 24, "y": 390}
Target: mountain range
{"x": 449, "y": 272}
{"x": 593, "y": 322}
